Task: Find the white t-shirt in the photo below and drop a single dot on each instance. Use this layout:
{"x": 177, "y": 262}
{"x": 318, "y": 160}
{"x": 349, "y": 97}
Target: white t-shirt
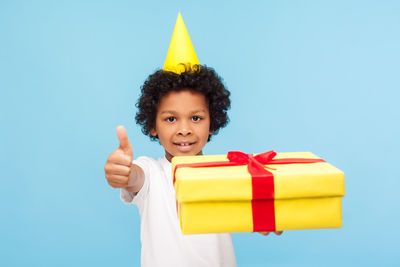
{"x": 163, "y": 243}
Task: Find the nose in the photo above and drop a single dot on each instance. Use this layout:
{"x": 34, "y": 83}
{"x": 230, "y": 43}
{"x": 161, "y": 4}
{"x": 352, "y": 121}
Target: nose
{"x": 184, "y": 129}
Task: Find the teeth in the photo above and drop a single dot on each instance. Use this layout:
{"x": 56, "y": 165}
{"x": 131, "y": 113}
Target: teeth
{"x": 183, "y": 144}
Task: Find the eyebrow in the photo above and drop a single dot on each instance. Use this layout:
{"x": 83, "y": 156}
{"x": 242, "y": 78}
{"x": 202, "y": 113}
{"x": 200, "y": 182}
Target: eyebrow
{"x": 192, "y": 112}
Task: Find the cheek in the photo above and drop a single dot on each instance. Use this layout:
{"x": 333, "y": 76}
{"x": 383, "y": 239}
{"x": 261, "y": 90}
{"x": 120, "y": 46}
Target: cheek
{"x": 206, "y": 132}
{"x": 165, "y": 132}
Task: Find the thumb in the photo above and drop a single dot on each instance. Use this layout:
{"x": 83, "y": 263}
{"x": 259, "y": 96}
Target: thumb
{"x": 124, "y": 143}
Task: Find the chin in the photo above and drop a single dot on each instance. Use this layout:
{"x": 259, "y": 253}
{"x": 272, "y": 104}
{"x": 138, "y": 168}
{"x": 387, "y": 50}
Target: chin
{"x": 187, "y": 153}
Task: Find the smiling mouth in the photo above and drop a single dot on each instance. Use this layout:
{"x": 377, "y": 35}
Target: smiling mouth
{"x": 185, "y": 143}
{"x": 184, "y": 146}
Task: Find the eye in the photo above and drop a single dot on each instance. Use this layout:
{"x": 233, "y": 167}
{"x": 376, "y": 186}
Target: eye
{"x": 196, "y": 118}
{"x": 171, "y": 119}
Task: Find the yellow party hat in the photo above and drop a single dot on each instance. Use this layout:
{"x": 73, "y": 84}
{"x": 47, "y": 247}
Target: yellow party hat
{"x": 181, "y": 54}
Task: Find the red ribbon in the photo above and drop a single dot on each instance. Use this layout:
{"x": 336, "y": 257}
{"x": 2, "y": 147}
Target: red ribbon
{"x": 262, "y": 182}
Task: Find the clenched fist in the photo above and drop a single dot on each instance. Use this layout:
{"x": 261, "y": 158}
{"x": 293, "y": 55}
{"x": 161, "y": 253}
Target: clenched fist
{"x": 119, "y": 170}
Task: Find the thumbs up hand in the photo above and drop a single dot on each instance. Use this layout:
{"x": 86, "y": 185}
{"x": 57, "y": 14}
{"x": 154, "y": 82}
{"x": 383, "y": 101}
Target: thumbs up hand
{"x": 124, "y": 143}
{"x": 118, "y": 167}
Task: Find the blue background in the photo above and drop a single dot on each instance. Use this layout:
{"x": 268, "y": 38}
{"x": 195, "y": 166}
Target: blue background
{"x": 320, "y": 76}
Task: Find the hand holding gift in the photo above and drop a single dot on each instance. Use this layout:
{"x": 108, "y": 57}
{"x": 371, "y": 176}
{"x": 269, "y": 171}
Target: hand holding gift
{"x": 267, "y": 233}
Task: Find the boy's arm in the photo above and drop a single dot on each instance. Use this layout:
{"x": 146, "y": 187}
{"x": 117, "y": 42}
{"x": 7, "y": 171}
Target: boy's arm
{"x": 119, "y": 170}
{"x": 136, "y": 179}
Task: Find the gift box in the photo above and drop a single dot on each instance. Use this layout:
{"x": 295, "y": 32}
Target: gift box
{"x": 270, "y": 191}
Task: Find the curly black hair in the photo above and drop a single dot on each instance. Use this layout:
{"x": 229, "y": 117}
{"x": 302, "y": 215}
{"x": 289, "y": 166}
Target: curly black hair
{"x": 199, "y": 79}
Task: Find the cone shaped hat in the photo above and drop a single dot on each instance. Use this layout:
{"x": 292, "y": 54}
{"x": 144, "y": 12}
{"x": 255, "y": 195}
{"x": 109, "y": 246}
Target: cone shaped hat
{"x": 181, "y": 53}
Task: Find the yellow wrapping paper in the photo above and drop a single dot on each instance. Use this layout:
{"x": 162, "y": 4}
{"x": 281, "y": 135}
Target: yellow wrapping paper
{"x": 218, "y": 199}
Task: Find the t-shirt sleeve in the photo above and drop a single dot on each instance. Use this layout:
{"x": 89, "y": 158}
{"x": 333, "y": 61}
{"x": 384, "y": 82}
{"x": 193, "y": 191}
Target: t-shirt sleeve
{"x": 137, "y": 198}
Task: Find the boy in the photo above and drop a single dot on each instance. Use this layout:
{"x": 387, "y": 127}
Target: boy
{"x": 183, "y": 125}
{"x": 182, "y": 108}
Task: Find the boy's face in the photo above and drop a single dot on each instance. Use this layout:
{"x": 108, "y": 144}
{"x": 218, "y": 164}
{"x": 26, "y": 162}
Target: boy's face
{"x": 182, "y": 123}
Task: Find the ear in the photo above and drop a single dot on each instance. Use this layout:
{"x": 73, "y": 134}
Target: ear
{"x": 211, "y": 132}
{"x": 153, "y": 132}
